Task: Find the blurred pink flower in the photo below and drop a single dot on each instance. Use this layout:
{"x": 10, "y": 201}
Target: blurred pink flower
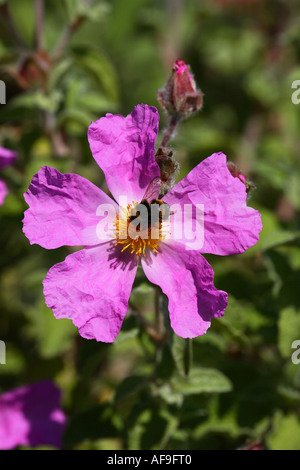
{"x": 7, "y": 158}
{"x": 31, "y": 416}
{"x": 92, "y": 286}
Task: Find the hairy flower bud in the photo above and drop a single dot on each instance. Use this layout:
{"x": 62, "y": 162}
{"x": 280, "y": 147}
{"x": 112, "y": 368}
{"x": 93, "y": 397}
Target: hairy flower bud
{"x": 32, "y": 71}
{"x": 180, "y": 95}
{"x": 168, "y": 167}
{"x": 236, "y": 172}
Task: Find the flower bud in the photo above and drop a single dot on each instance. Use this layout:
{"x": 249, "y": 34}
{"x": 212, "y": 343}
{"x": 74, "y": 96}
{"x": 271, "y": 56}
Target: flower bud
{"x": 180, "y": 95}
{"x": 236, "y": 172}
{"x": 168, "y": 167}
{"x": 32, "y": 71}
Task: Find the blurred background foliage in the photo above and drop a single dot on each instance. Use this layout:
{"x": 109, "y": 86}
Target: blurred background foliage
{"x": 76, "y": 61}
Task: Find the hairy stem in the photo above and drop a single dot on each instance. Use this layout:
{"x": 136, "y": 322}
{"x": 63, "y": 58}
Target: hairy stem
{"x": 159, "y": 325}
{"x": 67, "y": 34}
{"x": 39, "y": 24}
{"x": 168, "y": 134}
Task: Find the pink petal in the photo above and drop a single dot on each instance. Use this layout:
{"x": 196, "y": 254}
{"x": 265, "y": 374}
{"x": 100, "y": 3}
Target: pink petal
{"x": 31, "y": 416}
{"x": 3, "y": 192}
{"x": 230, "y": 227}
{"x": 7, "y": 157}
{"x": 63, "y": 210}
{"x": 124, "y": 147}
{"x": 92, "y": 287}
{"x": 187, "y": 280}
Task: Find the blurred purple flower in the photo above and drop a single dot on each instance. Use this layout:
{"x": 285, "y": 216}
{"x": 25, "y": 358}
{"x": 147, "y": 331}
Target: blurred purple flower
{"x": 7, "y": 158}
{"x": 31, "y": 416}
{"x": 92, "y": 286}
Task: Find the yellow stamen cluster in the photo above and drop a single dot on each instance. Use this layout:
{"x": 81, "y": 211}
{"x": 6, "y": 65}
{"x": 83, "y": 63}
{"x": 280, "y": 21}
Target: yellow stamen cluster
{"x": 142, "y": 241}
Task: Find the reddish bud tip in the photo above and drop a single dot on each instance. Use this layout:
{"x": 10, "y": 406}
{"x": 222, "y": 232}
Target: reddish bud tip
{"x": 180, "y": 66}
{"x": 236, "y": 173}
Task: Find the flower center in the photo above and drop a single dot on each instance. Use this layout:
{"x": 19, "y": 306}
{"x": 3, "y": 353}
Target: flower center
{"x": 141, "y": 227}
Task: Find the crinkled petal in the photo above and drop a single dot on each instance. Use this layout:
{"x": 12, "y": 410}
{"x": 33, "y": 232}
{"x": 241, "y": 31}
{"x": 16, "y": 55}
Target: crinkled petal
{"x": 31, "y": 416}
{"x": 124, "y": 147}
{"x": 66, "y": 209}
{"x": 187, "y": 280}
{"x": 3, "y": 192}
{"x": 7, "y": 157}
{"x": 230, "y": 226}
{"x": 92, "y": 287}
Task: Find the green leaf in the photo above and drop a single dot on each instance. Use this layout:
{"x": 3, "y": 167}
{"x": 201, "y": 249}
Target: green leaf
{"x": 202, "y": 380}
{"x": 280, "y": 238}
{"x": 37, "y": 99}
{"x": 285, "y": 434}
{"x": 130, "y": 386}
{"x": 97, "y": 12}
{"x": 73, "y": 8}
{"x": 125, "y": 335}
{"x": 52, "y": 336}
{"x": 152, "y": 429}
{"x": 182, "y": 354}
{"x": 59, "y": 71}
{"x": 288, "y": 330}
{"x": 166, "y": 392}
{"x": 79, "y": 8}
{"x": 98, "y": 67}
{"x": 241, "y": 318}
{"x": 76, "y": 120}
{"x": 271, "y": 225}
{"x": 97, "y": 422}
{"x": 223, "y": 422}
{"x": 290, "y": 394}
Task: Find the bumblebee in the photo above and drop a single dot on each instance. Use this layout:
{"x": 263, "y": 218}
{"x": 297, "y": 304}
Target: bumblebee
{"x": 164, "y": 209}
{"x": 150, "y": 199}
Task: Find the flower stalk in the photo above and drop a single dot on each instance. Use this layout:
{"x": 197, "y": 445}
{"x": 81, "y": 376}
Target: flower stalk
{"x": 169, "y": 132}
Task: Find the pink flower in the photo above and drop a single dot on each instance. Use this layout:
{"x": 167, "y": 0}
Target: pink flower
{"x": 7, "y": 158}
{"x": 31, "y": 416}
{"x": 92, "y": 286}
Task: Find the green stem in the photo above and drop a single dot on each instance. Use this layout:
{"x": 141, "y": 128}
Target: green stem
{"x": 159, "y": 326}
{"x": 189, "y": 356}
{"x": 159, "y": 329}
